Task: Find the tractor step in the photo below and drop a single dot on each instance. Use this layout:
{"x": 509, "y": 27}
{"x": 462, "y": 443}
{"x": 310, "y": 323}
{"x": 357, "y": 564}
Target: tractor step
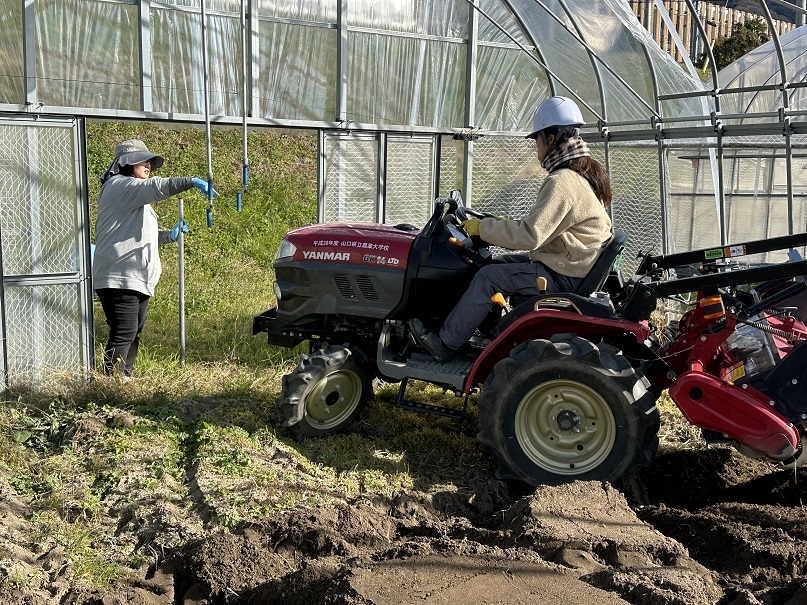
{"x": 417, "y": 406}
{"x": 421, "y": 366}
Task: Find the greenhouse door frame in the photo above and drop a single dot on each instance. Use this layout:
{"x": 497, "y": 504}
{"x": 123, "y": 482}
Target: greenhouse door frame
{"x": 46, "y": 304}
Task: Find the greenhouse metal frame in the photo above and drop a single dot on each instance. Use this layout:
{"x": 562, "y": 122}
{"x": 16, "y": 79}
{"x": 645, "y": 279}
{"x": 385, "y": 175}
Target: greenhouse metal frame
{"x": 412, "y": 98}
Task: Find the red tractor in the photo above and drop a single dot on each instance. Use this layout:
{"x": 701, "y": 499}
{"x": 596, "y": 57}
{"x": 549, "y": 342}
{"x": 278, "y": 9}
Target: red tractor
{"x": 567, "y": 382}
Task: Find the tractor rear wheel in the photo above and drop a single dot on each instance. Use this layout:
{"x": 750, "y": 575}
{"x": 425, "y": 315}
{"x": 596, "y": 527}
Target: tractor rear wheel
{"x": 325, "y": 392}
{"x": 567, "y": 409}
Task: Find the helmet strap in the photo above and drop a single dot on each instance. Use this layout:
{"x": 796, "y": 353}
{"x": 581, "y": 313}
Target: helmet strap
{"x": 561, "y": 133}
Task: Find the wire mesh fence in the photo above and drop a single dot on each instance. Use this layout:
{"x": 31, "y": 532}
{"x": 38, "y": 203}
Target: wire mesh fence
{"x": 37, "y": 213}
{"x": 351, "y": 178}
{"x": 637, "y": 205}
{"x": 506, "y": 176}
{"x": 452, "y": 161}
{"x": 410, "y": 178}
{"x": 41, "y": 225}
{"x": 755, "y": 194}
{"x": 43, "y": 331}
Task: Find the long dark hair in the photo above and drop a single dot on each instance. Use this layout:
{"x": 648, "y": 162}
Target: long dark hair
{"x": 591, "y": 170}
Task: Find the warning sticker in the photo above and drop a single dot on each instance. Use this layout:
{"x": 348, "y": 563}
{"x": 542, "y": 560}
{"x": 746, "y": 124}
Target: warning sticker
{"x": 734, "y": 251}
{"x": 732, "y": 373}
{"x": 713, "y": 254}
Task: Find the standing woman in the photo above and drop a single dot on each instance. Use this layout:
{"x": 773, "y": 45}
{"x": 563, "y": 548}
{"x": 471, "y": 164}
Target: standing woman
{"x": 126, "y": 264}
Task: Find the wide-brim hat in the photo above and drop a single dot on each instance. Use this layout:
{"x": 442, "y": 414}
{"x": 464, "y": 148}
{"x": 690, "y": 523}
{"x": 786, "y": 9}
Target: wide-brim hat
{"x": 134, "y": 151}
{"x": 129, "y": 153}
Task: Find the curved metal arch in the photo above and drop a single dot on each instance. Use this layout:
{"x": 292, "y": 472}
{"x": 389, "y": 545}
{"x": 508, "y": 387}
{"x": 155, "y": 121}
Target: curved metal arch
{"x": 653, "y": 77}
{"x": 785, "y": 118}
{"x": 767, "y": 81}
{"x": 709, "y": 54}
{"x": 773, "y": 75}
{"x": 541, "y": 63}
{"x": 589, "y": 51}
{"x": 721, "y": 193}
{"x": 592, "y": 53}
{"x": 780, "y": 55}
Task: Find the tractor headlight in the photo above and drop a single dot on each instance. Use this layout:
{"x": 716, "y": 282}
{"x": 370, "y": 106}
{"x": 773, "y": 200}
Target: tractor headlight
{"x": 286, "y": 250}
{"x": 278, "y": 291}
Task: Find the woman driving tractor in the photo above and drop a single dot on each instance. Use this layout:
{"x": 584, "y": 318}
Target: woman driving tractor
{"x": 563, "y": 232}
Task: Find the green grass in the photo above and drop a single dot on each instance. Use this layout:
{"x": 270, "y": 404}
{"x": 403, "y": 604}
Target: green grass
{"x": 228, "y": 268}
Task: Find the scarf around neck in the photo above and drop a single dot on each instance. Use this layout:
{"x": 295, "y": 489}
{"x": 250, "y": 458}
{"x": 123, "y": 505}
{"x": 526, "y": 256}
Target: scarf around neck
{"x": 567, "y": 149}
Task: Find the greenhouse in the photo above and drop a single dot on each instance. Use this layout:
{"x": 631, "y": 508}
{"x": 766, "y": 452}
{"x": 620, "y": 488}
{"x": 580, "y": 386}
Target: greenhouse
{"x": 408, "y": 99}
{"x": 763, "y": 170}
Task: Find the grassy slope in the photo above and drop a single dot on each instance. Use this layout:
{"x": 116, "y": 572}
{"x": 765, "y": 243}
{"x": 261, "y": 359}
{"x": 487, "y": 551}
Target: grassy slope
{"x": 228, "y": 274}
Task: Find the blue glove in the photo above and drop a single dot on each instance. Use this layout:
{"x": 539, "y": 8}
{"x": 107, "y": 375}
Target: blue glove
{"x": 180, "y": 226}
{"x": 201, "y": 185}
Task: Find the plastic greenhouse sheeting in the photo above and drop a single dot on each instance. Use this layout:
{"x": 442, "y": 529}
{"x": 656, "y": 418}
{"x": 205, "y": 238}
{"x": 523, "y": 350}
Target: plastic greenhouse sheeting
{"x": 761, "y": 67}
{"x": 764, "y": 175}
{"x": 408, "y": 63}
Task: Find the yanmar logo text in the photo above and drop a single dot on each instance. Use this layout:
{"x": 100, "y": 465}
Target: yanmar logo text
{"x": 314, "y": 255}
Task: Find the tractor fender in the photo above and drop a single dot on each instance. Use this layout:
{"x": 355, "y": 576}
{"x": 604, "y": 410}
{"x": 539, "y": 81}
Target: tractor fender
{"x": 543, "y": 323}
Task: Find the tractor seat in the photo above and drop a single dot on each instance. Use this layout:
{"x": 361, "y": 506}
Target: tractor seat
{"x": 596, "y": 277}
{"x": 603, "y": 265}
{"x": 579, "y": 299}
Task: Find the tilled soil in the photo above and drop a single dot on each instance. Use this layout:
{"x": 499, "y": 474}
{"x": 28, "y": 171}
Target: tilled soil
{"x": 707, "y": 526}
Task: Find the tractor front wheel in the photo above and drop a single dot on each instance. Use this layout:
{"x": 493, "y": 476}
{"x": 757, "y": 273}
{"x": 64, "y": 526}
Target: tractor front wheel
{"x": 325, "y": 392}
{"x": 567, "y": 409}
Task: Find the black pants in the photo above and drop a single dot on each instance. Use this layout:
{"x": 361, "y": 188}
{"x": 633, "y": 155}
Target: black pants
{"x": 125, "y": 312}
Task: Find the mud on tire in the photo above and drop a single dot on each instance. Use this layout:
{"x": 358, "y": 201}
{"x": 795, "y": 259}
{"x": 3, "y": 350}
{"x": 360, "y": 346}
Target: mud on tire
{"x": 566, "y": 409}
{"x": 325, "y": 393}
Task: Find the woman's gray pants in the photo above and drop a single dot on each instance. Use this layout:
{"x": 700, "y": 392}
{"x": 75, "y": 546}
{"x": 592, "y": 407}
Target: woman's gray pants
{"x": 508, "y": 274}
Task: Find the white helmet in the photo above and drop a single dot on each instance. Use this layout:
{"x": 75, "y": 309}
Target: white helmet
{"x": 555, "y": 111}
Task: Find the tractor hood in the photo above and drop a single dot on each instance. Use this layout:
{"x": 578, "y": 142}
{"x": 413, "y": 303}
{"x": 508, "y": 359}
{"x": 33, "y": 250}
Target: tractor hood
{"x": 352, "y": 243}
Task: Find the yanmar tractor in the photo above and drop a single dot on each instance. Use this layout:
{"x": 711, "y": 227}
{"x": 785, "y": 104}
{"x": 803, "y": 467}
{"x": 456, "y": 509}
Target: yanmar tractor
{"x": 567, "y": 382}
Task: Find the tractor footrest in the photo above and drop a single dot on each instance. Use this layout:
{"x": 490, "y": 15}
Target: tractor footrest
{"x": 417, "y": 406}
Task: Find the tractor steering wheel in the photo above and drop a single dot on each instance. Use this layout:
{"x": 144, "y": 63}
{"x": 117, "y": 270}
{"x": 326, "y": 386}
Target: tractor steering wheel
{"x": 473, "y": 244}
{"x": 463, "y": 213}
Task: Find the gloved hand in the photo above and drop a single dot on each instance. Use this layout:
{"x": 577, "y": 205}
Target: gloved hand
{"x": 201, "y": 185}
{"x": 179, "y": 226}
{"x": 471, "y": 226}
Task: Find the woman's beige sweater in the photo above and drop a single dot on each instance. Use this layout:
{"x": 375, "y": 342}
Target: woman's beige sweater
{"x": 565, "y": 229}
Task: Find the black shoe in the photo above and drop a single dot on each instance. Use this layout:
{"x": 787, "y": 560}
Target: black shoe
{"x": 429, "y": 340}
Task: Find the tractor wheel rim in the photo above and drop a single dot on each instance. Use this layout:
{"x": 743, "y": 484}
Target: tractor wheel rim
{"x": 333, "y": 399}
{"x": 565, "y": 427}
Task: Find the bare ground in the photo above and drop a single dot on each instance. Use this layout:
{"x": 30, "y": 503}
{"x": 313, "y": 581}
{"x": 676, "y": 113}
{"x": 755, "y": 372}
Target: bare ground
{"x": 698, "y": 527}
